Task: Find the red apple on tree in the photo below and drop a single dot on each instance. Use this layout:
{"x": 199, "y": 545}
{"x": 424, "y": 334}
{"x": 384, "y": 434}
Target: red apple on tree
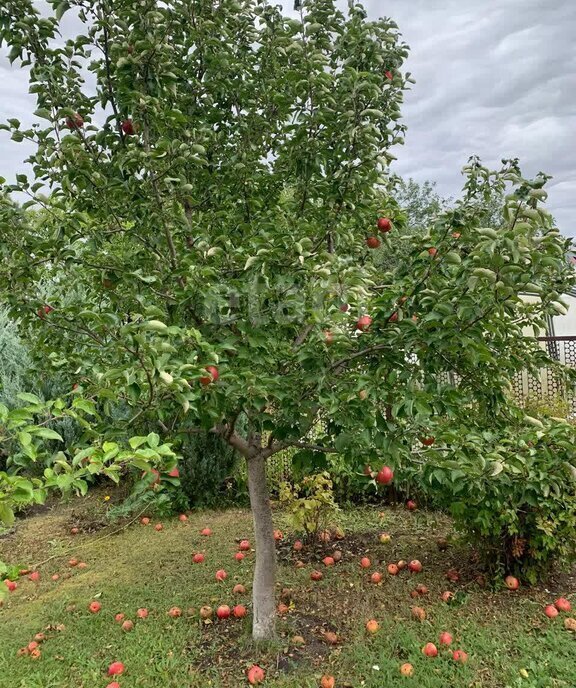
{"x": 385, "y": 475}
{"x": 364, "y": 322}
{"x": 75, "y": 122}
{"x": 213, "y": 377}
{"x": 128, "y": 127}
{"x": 372, "y": 242}
{"x": 384, "y": 224}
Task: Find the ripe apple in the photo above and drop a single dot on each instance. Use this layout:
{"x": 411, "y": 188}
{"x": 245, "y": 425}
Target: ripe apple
{"x": 376, "y": 577}
{"x": 198, "y": 558}
{"x": 45, "y": 310}
{"x": 421, "y": 589}
{"x": 460, "y": 656}
{"x": 119, "y": 617}
{"x": 11, "y": 585}
{"x": 394, "y": 317}
{"x": 401, "y": 565}
{"x": 221, "y": 575}
{"x": 415, "y": 566}
{"x": 75, "y": 122}
{"x": 372, "y": 242}
{"x": 363, "y": 322}
{"x": 278, "y": 535}
{"x": 384, "y": 224}
{"x": 392, "y": 569}
{"x": 239, "y": 556}
{"x": 283, "y": 609}
{"x": 175, "y": 473}
{"x": 94, "y": 607}
{"x": 145, "y": 520}
{"x": 213, "y": 377}
{"x": 407, "y": 669}
{"x": 328, "y": 561}
{"x": 244, "y": 545}
{"x": 55, "y": 576}
{"x": 174, "y": 612}
{"x": 365, "y": 563}
{"x": 239, "y": 589}
{"x": 128, "y": 127}
{"x": 316, "y": 575}
{"x": 562, "y": 605}
{"x": 223, "y": 611}
{"x": 385, "y": 475}
{"x": 255, "y": 675}
{"x": 115, "y": 669}
{"x": 32, "y": 646}
{"x": 239, "y": 611}
{"x": 385, "y": 538}
{"x": 414, "y": 594}
{"x": 511, "y": 583}
{"x": 158, "y": 527}
{"x": 206, "y": 532}
{"x": 73, "y": 562}
{"x": 427, "y": 441}
{"x": 430, "y": 650}
{"x": 388, "y": 74}
{"x": 327, "y": 681}
{"x": 74, "y": 531}
{"x": 205, "y": 612}
{"x": 127, "y": 626}
{"x": 445, "y": 638}
{"x": 447, "y": 596}
{"x": 114, "y": 684}
{"x": 344, "y": 307}
{"x": 411, "y": 505}
{"x": 297, "y": 546}
{"x": 328, "y": 337}
{"x": 40, "y": 637}
{"x": 433, "y": 251}
{"x": 551, "y": 611}
{"x": 372, "y": 626}
{"x": 82, "y": 565}
{"x": 34, "y": 576}
{"x": 418, "y": 613}
{"x": 142, "y": 613}
{"x": 453, "y": 575}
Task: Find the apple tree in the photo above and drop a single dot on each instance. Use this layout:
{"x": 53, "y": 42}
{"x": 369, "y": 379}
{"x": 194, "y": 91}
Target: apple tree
{"x": 209, "y": 178}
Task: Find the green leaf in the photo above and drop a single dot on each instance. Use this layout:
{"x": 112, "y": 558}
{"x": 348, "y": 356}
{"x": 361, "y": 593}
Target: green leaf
{"x": 6, "y": 514}
{"x": 46, "y": 433}
{"x": 42, "y": 113}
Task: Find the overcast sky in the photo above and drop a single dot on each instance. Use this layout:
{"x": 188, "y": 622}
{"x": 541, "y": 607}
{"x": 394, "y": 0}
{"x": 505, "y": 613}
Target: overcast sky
{"x": 495, "y": 78}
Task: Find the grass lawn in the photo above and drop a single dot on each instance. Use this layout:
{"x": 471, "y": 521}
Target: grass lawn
{"x": 509, "y": 640}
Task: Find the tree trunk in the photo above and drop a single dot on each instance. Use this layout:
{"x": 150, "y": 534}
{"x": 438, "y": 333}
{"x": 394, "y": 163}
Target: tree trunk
{"x": 264, "y": 590}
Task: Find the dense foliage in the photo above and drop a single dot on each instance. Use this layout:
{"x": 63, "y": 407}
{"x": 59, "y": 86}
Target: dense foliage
{"x": 211, "y": 196}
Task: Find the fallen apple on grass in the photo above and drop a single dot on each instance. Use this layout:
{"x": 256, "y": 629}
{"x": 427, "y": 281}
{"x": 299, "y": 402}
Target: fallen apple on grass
{"x": 511, "y": 583}
{"x": 221, "y": 575}
{"x": 255, "y": 675}
{"x": 562, "y": 605}
{"x": 223, "y": 612}
{"x": 372, "y": 626}
{"x": 551, "y": 611}
{"x": 198, "y": 558}
{"x": 365, "y": 563}
{"x": 174, "y": 612}
{"x": 407, "y": 669}
{"x": 239, "y": 611}
{"x": 115, "y": 669}
{"x": 445, "y": 638}
{"x": 94, "y": 607}
{"x": 239, "y": 589}
{"x": 430, "y": 650}
{"x": 127, "y": 626}
{"x": 460, "y": 656}
{"x": 327, "y": 681}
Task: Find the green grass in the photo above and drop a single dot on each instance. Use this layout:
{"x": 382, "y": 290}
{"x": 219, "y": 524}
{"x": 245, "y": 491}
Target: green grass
{"x": 502, "y": 632}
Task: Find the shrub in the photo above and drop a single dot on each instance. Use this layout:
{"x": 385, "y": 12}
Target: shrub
{"x": 517, "y": 502}
{"x": 555, "y": 406}
{"x": 309, "y": 505}
{"x": 207, "y": 468}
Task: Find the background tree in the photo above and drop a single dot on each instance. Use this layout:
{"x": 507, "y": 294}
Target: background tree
{"x": 209, "y": 193}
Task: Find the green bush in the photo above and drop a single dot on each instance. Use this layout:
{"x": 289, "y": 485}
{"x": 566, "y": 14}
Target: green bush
{"x": 309, "y": 504}
{"x": 517, "y": 502}
{"x": 208, "y": 472}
